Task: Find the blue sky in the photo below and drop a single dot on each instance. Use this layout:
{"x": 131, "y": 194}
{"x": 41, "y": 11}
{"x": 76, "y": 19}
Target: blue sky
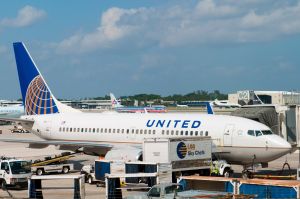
{"x": 91, "y": 48}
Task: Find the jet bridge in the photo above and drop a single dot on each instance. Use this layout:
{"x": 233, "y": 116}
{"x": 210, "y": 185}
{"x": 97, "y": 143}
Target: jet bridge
{"x": 263, "y": 114}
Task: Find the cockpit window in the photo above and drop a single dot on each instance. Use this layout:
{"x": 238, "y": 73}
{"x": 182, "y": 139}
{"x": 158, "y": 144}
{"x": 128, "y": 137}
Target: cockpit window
{"x": 258, "y": 133}
{"x": 267, "y": 132}
{"x": 251, "y": 132}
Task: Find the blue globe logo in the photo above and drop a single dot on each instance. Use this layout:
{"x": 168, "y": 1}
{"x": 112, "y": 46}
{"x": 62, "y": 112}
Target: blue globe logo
{"x": 181, "y": 150}
{"x": 39, "y": 99}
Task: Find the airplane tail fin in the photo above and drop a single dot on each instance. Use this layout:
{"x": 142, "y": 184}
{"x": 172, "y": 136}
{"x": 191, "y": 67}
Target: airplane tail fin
{"x": 114, "y": 102}
{"x": 36, "y": 95}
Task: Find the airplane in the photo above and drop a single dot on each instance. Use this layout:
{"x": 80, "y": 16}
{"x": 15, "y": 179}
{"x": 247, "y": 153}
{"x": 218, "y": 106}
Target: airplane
{"x": 12, "y": 111}
{"x": 224, "y": 104}
{"x": 236, "y": 140}
{"x": 182, "y": 105}
{"x": 117, "y": 106}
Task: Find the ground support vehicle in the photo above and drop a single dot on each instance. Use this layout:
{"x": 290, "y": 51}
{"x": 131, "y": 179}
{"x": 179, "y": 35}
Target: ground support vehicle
{"x": 18, "y": 129}
{"x": 53, "y": 164}
{"x": 95, "y": 173}
{"x": 14, "y": 172}
{"x": 174, "y": 190}
{"x": 89, "y": 173}
{"x": 186, "y": 155}
{"x": 221, "y": 168}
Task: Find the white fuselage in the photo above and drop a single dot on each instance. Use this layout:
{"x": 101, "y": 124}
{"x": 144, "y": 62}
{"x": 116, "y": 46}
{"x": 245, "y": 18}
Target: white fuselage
{"x": 230, "y": 134}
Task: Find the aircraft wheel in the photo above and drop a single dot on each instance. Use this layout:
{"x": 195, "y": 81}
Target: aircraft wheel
{"x": 39, "y": 172}
{"x": 90, "y": 180}
{"x": 65, "y": 170}
{"x": 228, "y": 173}
{"x": 247, "y": 175}
{"x": 3, "y": 185}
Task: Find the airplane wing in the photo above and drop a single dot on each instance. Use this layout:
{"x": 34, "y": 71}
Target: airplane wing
{"x": 71, "y": 144}
{"x": 50, "y": 142}
{"x": 17, "y": 120}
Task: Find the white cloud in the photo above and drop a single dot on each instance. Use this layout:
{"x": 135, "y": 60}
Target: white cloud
{"x": 108, "y": 31}
{"x": 209, "y": 8}
{"x": 26, "y": 16}
{"x": 208, "y": 21}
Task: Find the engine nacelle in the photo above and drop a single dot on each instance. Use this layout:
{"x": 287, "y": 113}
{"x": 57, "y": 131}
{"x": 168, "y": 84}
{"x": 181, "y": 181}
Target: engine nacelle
{"x": 125, "y": 154}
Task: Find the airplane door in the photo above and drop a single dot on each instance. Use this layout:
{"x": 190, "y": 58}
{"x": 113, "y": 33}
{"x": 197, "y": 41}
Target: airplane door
{"x": 48, "y": 126}
{"x": 227, "y": 136}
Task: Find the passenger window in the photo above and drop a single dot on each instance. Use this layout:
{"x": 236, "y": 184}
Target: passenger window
{"x": 86, "y": 130}
{"x": 186, "y": 133}
{"x": 163, "y": 132}
{"x": 172, "y": 132}
{"x": 145, "y": 131}
{"x": 114, "y": 130}
{"x": 177, "y": 132}
{"x": 153, "y": 132}
{"x": 70, "y": 129}
{"x": 105, "y": 130}
{"x": 201, "y": 133}
{"x": 94, "y": 130}
{"x": 181, "y": 132}
{"x": 90, "y": 129}
{"x": 98, "y": 130}
{"x": 167, "y": 132}
{"x": 206, "y": 133}
{"x": 78, "y": 130}
{"x": 136, "y": 131}
{"x": 141, "y": 131}
{"x": 191, "y": 133}
{"x": 59, "y": 129}
{"x": 122, "y": 130}
{"x": 196, "y": 133}
{"x": 67, "y": 129}
{"x": 258, "y": 133}
{"x": 127, "y": 131}
{"x": 118, "y": 130}
{"x": 149, "y": 131}
{"x": 109, "y": 130}
{"x": 132, "y": 131}
{"x": 64, "y": 129}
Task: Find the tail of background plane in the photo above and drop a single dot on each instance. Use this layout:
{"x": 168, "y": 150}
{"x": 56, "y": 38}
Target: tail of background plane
{"x": 36, "y": 95}
{"x": 114, "y": 102}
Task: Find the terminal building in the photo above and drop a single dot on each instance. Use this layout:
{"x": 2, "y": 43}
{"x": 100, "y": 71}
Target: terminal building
{"x": 250, "y": 97}
{"x": 89, "y": 104}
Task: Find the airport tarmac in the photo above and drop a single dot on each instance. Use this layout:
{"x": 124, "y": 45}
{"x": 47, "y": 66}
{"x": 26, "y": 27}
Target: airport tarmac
{"x": 20, "y": 150}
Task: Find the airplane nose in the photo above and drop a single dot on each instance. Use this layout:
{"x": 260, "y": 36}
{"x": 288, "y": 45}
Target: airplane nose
{"x": 281, "y": 143}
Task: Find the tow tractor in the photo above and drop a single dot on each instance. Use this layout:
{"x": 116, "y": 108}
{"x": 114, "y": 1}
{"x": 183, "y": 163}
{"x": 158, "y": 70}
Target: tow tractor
{"x": 18, "y": 129}
{"x": 14, "y": 172}
{"x": 53, "y": 164}
{"x": 221, "y": 168}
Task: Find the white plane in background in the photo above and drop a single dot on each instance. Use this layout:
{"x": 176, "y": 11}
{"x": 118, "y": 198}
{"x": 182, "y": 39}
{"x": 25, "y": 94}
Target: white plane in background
{"x": 237, "y": 140}
{"x": 224, "y": 104}
{"x": 12, "y": 111}
{"x": 117, "y": 106}
{"x": 182, "y": 105}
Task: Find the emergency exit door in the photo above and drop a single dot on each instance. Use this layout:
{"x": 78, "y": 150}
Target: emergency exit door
{"x": 228, "y": 133}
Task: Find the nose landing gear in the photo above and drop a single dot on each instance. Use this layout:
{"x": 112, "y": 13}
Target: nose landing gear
{"x": 248, "y": 171}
